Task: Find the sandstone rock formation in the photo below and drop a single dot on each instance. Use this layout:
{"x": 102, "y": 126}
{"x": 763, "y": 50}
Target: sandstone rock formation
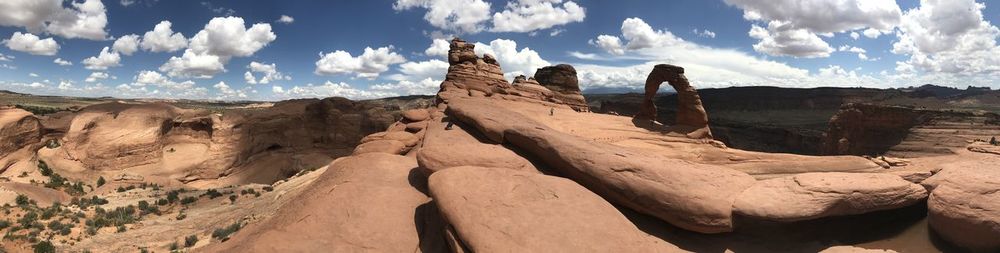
{"x": 233, "y": 147}
{"x": 561, "y": 80}
{"x": 964, "y": 205}
{"x": 815, "y": 195}
{"x": 501, "y": 210}
{"x": 690, "y": 112}
{"x": 18, "y": 128}
{"x": 864, "y": 129}
{"x": 367, "y": 202}
{"x": 468, "y": 72}
{"x": 440, "y": 157}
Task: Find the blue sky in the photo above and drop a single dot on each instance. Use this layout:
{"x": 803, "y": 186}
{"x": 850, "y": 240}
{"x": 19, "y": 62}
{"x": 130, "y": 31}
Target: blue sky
{"x": 273, "y": 50}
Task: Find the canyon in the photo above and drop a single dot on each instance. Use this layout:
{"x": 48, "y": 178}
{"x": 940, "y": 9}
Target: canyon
{"x": 529, "y": 165}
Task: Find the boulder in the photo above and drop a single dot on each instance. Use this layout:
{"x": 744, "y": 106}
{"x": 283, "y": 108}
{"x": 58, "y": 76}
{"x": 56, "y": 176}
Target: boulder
{"x": 18, "y": 129}
{"x": 415, "y": 127}
{"x": 362, "y": 203}
{"x": 825, "y": 194}
{"x": 561, "y": 80}
{"x": 964, "y": 204}
{"x": 440, "y": 157}
{"x": 414, "y": 115}
{"x": 381, "y": 146}
{"x": 852, "y": 249}
{"x": 499, "y": 210}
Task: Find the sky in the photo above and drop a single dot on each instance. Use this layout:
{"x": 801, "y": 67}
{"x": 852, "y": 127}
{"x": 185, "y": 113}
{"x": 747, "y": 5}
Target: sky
{"x": 266, "y": 50}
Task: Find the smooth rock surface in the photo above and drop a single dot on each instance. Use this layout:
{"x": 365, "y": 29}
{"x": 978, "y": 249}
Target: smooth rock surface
{"x": 362, "y": 203}
{"x": 381, "y": 146}
{"x": 498, "y": 210}
{"x": 440, "y": 157}
{"x": 816, "y": 195}
{"x": 964, "y": 205}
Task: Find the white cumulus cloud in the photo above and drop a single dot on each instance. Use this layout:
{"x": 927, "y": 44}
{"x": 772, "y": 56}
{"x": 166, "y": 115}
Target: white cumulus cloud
{"x": 211, "y": 48}
{"x": 515, "y": 62}
{"x": 29, "y": 43}
{"x": 269, "y": 73}
{"x": 368, "y": 65}
{"x": 462, "y": 16}
{"x": 86, "y": 19}
{"x": 62, "y": 62}
{"x": 533, "y": 15}
{"x": 127, "y": 44}
{"x": 163, "y": 39}
{"x": 285, "y": 19}
{"x": 103, "y": 60}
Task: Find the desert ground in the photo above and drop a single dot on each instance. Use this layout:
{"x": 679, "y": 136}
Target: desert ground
{"x": 491, "y": 165}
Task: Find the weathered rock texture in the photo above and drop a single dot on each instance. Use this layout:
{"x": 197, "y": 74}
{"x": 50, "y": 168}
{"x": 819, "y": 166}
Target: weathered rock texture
{"x": 18, "y": 129}
{"x": 468, "y": 72}
{"x": 690, "y": 112}
{"x": 260, "y": 146}
{"x": 815, "y": 195}
{"x": 561, "y": 80}
{"x": 362, "y": 203}
{"x": 863, "y": 129}
{"x": 440, "y": 157}
{"x": 500, "y": 210}
{"x": 964, "y": 205}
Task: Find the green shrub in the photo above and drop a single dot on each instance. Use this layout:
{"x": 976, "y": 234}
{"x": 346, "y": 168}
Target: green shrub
{"x": 190, "y": 240}
{"x": 4, "y": 224}
{"x": 100, "y": 181}
{"x": 212, "y": 194}
{"x": 22, "y": 200}
{"x": 224, "y": 233}
{"x": 188, "y": 200}
{"x": 44, "y": 247}
{"x": 44, "y": 168}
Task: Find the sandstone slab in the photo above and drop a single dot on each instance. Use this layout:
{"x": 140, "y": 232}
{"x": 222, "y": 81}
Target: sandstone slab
{"x": 498, "y": 210}
{"x": 440, "y": 157}
{"x": 964, "y": 204}
{"x": 362, "y": 203}
{"x": 381, "y": 146}
{"x": 816, "y": 195}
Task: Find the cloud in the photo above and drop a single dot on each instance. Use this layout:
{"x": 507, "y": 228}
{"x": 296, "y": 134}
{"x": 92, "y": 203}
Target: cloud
{"x": 855, "y": 35}
{"x": 533, "y": 15}
{"x": 103, "y": 61}
{"x": 948, "y": 36}
{"x": 153, "y": 78}
{"x": 193, "y": 65}
{"x": 415, "y": 71}
{"x": 285, "y": 19}
{"x": 583, "y": 56}
{"x": 6, "y": 58}
{"x": 368, "y": 65}
{"x": 438, "y": 48}
{"x": 862, "y": 53}
{"x": 461, "y": 16}
{"x": 86, "y": 20}
{"x": 329, "y": 89}
{"x": 225, "y": 92}
{"x": 426, "y": 86}
{"x": 707, "y": 66}
{"x": 229, "y": 37}
{"x": 29, "y": 43}
{"x": 127, "y": 44}
{"x": 96, "y": 76}
{"x": 610, "y": 44}
{"x": 212, "y": 47}
{"x": 514, "y": 61}
{"x": 783, "y": 39}
{"x": 793, "y": 26}
{"x": 823, "y": 16}
{"x": 163, "y": 39}
{"x": 269, "y": 71}
{"x": 704, "y": 33}
{"x": 126, "y": 3}
{"x": 32, "y": 75}
{"x": 872, "y": 33}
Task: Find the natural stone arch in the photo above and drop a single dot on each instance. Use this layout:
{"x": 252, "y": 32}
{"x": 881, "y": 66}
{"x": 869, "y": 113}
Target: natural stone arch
{"x": 690, "y": 112}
